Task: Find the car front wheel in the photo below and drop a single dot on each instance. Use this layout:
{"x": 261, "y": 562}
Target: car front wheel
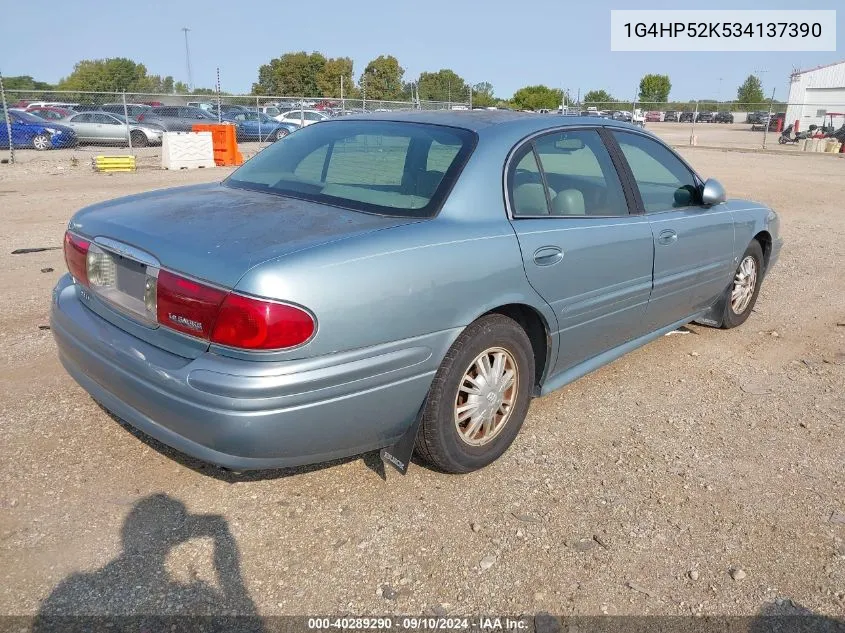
{"x": 41, "y": 142}
{"x": 743, "y": 291}
{"x": 479, "y": 397}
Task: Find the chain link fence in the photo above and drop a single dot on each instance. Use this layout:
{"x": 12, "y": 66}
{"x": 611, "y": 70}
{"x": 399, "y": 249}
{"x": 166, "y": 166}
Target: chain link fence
{"x": 92, "y": 121}
{"x": 726, "y": 124}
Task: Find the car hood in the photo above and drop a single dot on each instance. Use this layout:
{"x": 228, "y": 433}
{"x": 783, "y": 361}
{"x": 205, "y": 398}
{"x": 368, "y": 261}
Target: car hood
{"x": 216, "y": 232}
{"x": 59, "y": 127}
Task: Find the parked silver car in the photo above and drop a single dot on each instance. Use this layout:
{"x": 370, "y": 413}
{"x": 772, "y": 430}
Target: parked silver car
{"x": 107, "y": 128}
{"x": 399, "y": 281}
{"x": 176, "y": 118}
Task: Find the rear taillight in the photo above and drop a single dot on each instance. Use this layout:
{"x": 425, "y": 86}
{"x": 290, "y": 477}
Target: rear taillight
{"x": 140, "y": 117}
{"x": 76, "y": 251}
{"x": 250, "y": 323}
{"x": 224, "y": 318}
{"x": 187, "y": 306}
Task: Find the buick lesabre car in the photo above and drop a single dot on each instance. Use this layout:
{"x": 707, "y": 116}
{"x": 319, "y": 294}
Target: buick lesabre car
{"x": 397, "y": 281}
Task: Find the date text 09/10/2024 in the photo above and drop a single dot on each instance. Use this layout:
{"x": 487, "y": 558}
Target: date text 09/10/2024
{"x": 479, "y": 623}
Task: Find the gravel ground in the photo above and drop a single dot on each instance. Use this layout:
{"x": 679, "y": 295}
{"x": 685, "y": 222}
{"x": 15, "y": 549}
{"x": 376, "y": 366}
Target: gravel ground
{"x": 700, "y": 474}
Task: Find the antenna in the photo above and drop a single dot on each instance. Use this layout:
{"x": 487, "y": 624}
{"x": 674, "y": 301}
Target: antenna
{"x": 185, "y": 30}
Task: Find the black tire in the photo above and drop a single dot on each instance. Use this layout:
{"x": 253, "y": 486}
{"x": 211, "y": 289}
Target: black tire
{"x": 139, "y": 139}
{"x": 438, "y": 441}
{"x": 732, "y": 318}
{"x": 42, "y": 142}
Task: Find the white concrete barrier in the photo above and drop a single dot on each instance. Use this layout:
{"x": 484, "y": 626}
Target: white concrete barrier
{"x": 187, "y": 150}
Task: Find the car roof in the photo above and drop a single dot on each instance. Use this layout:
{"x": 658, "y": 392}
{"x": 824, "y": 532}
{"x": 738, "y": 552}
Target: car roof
{"x": 485, "y": 122}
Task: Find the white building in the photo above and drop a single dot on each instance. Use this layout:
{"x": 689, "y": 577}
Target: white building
{"x": 816, "y": 92}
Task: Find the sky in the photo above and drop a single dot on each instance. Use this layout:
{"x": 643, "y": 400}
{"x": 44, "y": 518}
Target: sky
{"x": 559, "y": 43}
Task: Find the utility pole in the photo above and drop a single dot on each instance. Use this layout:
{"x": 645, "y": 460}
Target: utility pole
{"x": 768, "y": 118}
{"x": 185, "y": 30}
{"x": 760, "y": 71}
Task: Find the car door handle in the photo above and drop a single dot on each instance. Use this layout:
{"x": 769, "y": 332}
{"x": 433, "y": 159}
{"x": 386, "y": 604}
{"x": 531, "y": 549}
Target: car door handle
{"x": 667, "y": 236}
{"x": 547, "y": 255}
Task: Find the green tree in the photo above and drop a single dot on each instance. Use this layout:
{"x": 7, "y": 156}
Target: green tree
{"x": 292, "y": 74}
{"x": 328, "y": 77}
{"x": 25, "y": 82}
{"x": 109, "y": 75}
{"x": 751, "y": 91}
{"x": 444, "y": 85}
{"x": 655, "y": 88}
{"x": 536, "y": 97}
{"x": 482, "y": 95}
{"x": 382, "y": 78}
{"x": 598, "y": 96}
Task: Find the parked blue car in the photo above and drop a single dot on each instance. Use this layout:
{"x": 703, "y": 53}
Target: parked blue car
{"x": 399, "y": 281}
{"x": 30, "y": 131}
{"x": 257, "y": 126}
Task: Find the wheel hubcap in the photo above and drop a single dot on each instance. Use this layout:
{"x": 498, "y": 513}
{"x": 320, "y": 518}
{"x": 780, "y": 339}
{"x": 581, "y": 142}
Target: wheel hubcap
{"x": 486, "y": 396}
{"x": 40, "y": 142}
{"x": 744, "y": 283}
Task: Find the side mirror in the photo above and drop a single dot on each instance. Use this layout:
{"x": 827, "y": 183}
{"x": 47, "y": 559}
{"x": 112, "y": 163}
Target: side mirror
{"x": 713, "y": 193}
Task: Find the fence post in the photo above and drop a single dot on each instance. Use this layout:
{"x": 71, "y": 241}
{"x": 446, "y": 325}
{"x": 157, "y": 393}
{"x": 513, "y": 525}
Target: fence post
{"x": 126, "y": 118}
{"x": 768, "y": 119}
{"x": 692, "y": 127}
{"x": 7, "y": 121}
{"x": 258, "y": 110}
{"x": 219, "y": 114}
{"x": 342, "y": 102}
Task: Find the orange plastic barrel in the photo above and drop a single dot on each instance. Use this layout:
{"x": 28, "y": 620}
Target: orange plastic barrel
{"x": 225, "y": 142}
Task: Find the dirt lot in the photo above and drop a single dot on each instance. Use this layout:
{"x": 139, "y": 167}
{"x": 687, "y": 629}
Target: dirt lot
{"x": 701, "y": 474}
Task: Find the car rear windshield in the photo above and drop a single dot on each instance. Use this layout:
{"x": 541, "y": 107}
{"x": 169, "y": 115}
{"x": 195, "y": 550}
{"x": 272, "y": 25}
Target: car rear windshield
{"x": 382, "y": 167}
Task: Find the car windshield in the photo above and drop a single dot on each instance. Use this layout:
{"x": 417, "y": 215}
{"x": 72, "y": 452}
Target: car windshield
{"x": 26, "y": 117}
{"x": 122, "y": 118}
{"x": 382, "y": 167}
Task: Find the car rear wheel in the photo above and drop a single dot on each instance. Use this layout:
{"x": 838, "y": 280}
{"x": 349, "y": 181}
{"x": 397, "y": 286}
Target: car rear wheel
{"x": 139, "y": 139}
{"x": 743, "y": 291}
{"x": 41, "y": 142}
{"x": 281, "y": 133}
{"x": 479, "y": 397}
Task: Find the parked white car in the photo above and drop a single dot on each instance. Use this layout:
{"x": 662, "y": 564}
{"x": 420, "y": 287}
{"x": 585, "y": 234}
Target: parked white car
{"x": 638, "y": 117}
{"x": 273, "y": 112}
{"x": 306, "y": 117}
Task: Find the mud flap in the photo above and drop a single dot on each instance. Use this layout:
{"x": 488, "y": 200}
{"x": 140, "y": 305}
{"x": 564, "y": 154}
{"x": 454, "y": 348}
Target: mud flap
{"x": 399, "y": 454}
{"x": 715, "y": 315}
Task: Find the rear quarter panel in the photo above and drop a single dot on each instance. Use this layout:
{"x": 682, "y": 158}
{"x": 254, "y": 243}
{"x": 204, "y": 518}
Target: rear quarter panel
{"x": 432, "y": 276}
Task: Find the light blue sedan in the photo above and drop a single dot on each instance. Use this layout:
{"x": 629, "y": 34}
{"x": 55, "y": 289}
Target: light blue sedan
{"x": 404, "y": 281}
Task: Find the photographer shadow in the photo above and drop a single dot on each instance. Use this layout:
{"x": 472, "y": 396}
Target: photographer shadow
{"x": 136, "y": 592}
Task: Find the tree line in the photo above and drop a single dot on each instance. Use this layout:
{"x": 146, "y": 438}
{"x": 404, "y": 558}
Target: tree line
{"x": 383, "y": 79}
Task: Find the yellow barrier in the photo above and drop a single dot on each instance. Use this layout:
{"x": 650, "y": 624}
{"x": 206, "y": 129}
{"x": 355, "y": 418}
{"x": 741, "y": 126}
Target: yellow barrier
{"x": 114, "y": 163}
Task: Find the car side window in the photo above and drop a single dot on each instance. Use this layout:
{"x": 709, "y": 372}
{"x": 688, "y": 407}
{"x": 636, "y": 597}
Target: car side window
{"x": 527, "y": 192}
{"x": 81, "y": 118}
{"x": 664, "y": 182}
{"x": 580, "y": 175}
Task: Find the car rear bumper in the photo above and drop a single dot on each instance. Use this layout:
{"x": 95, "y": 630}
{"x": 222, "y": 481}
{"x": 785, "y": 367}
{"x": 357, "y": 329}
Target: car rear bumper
{"x": 247, "y": 414}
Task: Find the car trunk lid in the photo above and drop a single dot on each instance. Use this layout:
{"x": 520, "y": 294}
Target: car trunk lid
{"x": 213, "y": 233}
